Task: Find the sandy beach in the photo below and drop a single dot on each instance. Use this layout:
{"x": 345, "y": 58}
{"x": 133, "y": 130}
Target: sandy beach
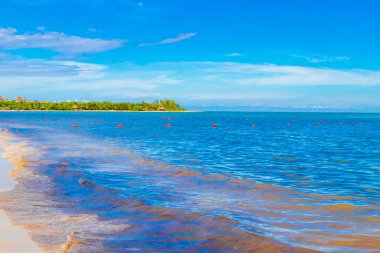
{"x": 12, "y": 239}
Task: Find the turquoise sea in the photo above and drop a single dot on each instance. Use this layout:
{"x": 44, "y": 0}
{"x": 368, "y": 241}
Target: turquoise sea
{"x": 253, "y": 182}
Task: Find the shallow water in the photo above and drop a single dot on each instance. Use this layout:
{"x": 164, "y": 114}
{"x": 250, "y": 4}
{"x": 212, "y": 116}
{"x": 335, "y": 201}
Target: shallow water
{"x": 257, "y": 182}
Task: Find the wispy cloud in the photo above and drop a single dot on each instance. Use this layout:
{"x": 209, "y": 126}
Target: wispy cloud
{"x": 92, "y": 30}
{"x": 209, "y": 83}
{"x": 316, "y": 58}
{"x": 271, "y": 74}
{"x": 55, "y": 41}
{"x": 89, "y": 2}
{"x": 180, "y": 37}
{"x": 86, "y": 81}
{"x": 41, "y": 68}
{"x": 34, "y": 2}
{"x": 233, "y": 55}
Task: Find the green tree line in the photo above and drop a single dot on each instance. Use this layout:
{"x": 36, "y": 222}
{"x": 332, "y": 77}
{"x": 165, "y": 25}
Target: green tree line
{"x": 160, "y": 105}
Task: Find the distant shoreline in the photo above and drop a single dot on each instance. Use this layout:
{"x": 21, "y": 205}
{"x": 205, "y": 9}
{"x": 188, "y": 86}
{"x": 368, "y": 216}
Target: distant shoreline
{"x": 94, "y": 111}
{"x": 21, "y": 104}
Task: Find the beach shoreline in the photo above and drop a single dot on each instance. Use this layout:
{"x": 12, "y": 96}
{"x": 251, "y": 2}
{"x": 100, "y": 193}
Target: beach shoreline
{"x": 13, "y": 239}
{"x": 187, "y": 111}
{"x": 79, "y": 191}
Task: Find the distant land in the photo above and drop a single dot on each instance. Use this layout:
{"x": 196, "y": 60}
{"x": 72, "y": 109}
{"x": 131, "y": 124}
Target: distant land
{"x": 22, "y": 104}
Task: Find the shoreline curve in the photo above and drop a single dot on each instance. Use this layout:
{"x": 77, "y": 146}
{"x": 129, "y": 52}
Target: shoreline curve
{"x": 13, "y": 239}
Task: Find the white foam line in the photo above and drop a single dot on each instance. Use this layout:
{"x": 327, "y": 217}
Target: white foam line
{"x": 12, "y": 239}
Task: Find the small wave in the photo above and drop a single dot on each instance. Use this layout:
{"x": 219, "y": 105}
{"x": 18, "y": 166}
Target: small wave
{"x": 103, "y": 218}
{"x": 49, "y": 220}
{"x": 71, "y": 242}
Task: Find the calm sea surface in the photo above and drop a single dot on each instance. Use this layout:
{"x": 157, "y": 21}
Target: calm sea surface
{"x": 255, "y": 182}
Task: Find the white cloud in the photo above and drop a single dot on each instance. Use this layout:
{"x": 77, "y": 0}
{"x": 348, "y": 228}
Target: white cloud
{"x": 5, "y": 56}
{"x": 316, "y": 58}
{"x": 210, "y": 83}
{"x": 238, "y": 96}
{"x": 295, "y": 75}
{"x": 180, "y": 37}
{"x": 34, "y": 2}
{"x": 55, "y": 41}
{"x": 275, "y": 75}
{"x": 87, "y": 80}
{"x": 233, "y": 55}
{"x": 11, "y": 68}
{"x": 92, "y": 30}
{"x": 176, "y": 73}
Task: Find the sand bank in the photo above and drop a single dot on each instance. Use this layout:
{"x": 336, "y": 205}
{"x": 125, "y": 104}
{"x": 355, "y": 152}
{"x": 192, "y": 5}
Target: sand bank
{"x": 12, "y": 239}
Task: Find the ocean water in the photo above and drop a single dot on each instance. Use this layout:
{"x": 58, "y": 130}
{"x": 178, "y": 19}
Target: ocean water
{"x": 255, "y": 182}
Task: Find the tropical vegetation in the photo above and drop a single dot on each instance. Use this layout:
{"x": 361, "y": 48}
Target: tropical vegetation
{"x": 21, "y": 104}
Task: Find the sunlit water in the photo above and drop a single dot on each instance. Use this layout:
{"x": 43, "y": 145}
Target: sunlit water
{"x": 255, "y": 182}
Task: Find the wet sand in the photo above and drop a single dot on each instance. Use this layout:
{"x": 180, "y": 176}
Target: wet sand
{"x": 12, "y": 239}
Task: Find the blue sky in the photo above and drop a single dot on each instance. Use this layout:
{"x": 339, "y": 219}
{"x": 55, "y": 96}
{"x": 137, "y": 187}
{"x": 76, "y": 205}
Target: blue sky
{"x": 207, "y": 54}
